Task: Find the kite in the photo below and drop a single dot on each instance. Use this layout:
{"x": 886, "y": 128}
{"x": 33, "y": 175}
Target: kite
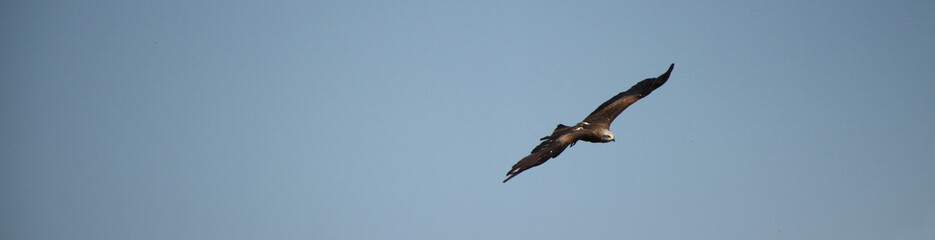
{"x": 594, "y": 128}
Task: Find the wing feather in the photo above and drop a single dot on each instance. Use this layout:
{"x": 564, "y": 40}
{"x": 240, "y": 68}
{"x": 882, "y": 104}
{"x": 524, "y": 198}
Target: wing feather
{"x": 549, "y": 148}
{"x": 608, "y": 111}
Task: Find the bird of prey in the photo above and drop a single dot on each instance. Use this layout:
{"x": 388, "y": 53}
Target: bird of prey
{"x": 594, "y": 128}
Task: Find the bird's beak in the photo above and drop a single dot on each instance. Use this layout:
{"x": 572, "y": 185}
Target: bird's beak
{"x": 613, "y": 140}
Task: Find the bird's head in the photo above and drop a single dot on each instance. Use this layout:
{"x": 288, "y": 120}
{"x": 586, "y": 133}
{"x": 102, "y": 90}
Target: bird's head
{"x": 607, "y": 136}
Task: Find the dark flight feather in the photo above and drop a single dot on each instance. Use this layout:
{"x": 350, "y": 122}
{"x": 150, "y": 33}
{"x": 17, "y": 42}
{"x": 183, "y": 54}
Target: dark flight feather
{"x": 549, "y": 148}
{"x": 609, "y": 110}
{"x": 591, "y": 129}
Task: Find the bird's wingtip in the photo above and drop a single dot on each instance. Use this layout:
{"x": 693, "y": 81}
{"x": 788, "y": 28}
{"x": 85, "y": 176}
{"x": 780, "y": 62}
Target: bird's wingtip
{"x": 665, "y": 76}
{"x": 510, "y": 175}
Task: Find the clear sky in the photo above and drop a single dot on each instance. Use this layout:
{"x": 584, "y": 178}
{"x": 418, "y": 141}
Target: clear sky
{"x": 398, "y": 120}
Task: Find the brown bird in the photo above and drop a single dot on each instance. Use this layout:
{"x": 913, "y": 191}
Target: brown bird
{"x": 594, "y": 128}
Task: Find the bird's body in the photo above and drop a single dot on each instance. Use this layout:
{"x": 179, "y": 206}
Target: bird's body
{"x": 594, "y": 128}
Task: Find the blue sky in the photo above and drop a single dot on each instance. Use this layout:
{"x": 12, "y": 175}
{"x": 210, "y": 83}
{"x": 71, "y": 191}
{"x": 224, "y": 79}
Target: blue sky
{"x": 398, "y": 120}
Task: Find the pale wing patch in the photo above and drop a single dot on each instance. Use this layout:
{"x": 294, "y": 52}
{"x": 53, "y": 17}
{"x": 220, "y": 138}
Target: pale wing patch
{"x": 623, "y": 103}
{"x": 567, "y": 138}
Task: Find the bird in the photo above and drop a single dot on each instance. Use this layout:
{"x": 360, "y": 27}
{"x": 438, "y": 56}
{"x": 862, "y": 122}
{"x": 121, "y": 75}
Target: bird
{"x": 594, "y": 128}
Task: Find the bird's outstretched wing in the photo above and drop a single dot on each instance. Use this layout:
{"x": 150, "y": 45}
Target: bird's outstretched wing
{"x": 550, "y": 147}
{"x": 564, "y": 136}
{"x": 605, "y": 114}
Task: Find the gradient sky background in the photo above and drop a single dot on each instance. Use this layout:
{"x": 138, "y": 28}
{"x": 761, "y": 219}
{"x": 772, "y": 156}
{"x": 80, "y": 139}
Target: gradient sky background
{"x": 398, "y": 120}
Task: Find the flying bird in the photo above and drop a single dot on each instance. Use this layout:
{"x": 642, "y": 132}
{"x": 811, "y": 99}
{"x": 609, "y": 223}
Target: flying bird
{"x": 594, "y": 128}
